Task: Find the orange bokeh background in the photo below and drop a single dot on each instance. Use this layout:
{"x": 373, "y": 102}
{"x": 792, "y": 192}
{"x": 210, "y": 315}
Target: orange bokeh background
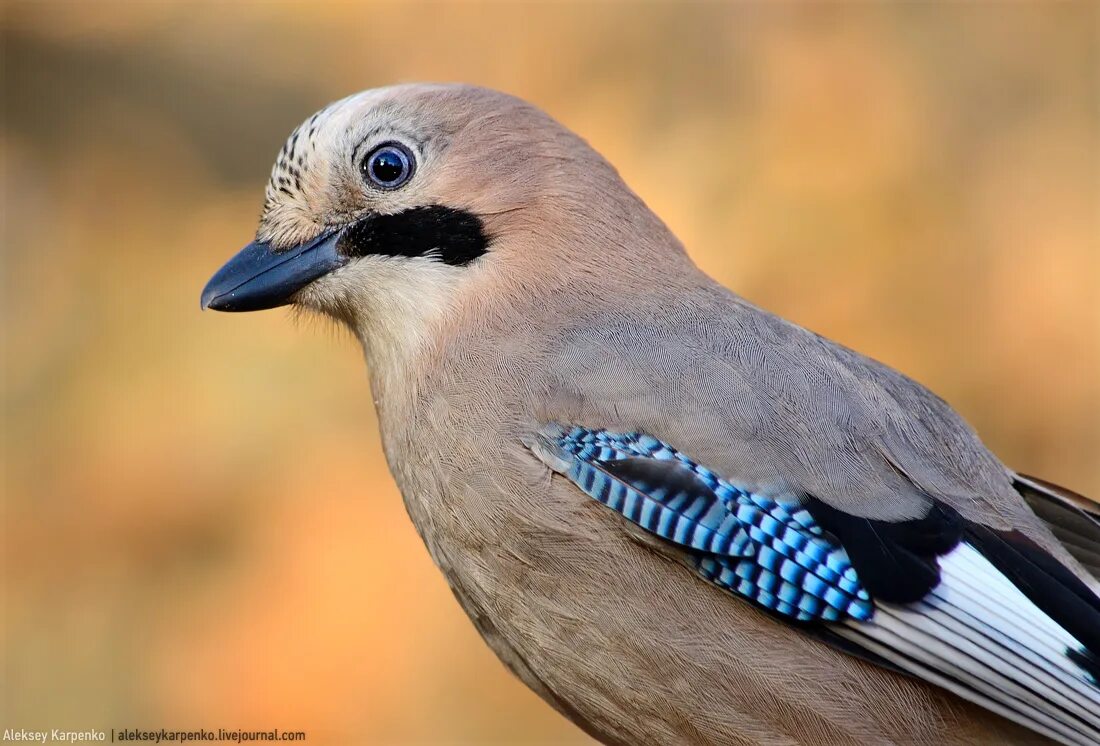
{"x": 199, "y": 528}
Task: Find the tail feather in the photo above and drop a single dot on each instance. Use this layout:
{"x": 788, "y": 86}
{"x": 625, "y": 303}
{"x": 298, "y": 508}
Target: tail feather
{"x": 1030, "y": 635}
{"x": 936, "y": 672}
{"x": 978, "y": 635}
{"x": 1048, "y": 584}
{"x": 1074, "y": 519}
{"x": 996, "y": 650}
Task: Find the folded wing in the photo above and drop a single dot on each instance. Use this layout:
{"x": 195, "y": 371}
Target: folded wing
{"x": 1072, "y": 518}
{"x": 986, "y": 614}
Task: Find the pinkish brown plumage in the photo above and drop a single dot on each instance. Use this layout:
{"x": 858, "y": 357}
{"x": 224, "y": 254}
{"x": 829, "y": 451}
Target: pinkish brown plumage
{"x": 506, "y": 284}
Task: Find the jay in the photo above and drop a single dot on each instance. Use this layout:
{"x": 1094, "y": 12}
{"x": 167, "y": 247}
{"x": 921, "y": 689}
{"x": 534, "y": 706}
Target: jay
{"x": 675, "y": 516}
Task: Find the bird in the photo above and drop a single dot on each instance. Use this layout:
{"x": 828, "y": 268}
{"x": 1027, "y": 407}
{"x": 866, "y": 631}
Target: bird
{"x": 675, "y": 516}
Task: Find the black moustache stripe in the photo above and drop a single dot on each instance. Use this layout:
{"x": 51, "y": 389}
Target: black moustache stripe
{"x": 454, "y": 237}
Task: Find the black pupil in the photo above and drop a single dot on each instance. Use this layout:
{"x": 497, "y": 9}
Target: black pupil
{"x": 387, "y": 166}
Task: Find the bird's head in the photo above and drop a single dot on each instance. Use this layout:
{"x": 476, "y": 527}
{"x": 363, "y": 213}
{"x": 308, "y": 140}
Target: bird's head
{"x": 386, "y": 208}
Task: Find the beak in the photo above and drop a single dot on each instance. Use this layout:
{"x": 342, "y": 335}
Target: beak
{"x": 259, "y": 278}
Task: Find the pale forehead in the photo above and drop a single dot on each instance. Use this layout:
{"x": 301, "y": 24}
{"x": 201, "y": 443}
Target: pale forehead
{"x": 325, "y": 129}
{"x": 305, "y": 190}
{"x": 417, "y": 114}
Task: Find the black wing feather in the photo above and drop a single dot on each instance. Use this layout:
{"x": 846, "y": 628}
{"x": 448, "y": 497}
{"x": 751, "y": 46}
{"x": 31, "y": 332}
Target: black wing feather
{"x": 895, "y": 560}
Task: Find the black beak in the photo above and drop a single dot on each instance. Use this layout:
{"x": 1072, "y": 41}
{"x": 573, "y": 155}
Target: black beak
{"x": 259, "y": 278}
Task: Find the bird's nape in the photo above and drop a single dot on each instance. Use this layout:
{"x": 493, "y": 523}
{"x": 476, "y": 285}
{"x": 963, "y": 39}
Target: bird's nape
{"x": 600, "y": 406}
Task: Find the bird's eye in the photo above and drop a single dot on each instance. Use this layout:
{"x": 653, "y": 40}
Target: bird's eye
{"x": 388, "y": 166}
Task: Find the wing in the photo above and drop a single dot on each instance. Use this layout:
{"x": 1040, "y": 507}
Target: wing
{"x": 984, "y": 613}
{"x": 1073, "y": 519}
{"x": 773, "y": 555}
{"x": 783, "y": 410}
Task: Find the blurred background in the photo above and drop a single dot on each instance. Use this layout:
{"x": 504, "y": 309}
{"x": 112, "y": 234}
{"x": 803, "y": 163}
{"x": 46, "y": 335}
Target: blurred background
{"x": 199, "y": 528}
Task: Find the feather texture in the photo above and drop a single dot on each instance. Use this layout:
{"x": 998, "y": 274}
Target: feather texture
{"x": 1073, "y": 519}
{"x": 977, "y": 635}
{"x": 772, "y": 554}
{"x": 989, "y": 617}
{"x": 585, "y": 309}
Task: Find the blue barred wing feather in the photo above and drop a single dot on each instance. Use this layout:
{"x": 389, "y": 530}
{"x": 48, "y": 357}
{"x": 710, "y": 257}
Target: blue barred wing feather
{"x": 987, "y": 614}
{"x": 769, "y": 552}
